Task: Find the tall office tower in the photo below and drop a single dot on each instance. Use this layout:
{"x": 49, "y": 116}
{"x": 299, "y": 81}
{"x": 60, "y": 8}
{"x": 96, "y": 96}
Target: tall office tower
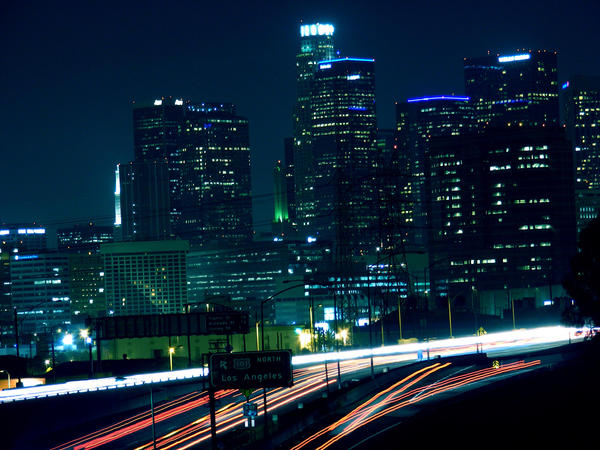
{"x": 581, "y": 103}
{"x": 316, "y": 44}
{"x": 40, "y": 291}
{"x": 344, "y": 133}
{"x": 206, "y": 147}
{"x": 156, "y": 131}
{"x": 520, "y": 89}
{"x": 394, "y": 192}
{"x": 502, "y": 215}
{"x": 145, "y": 277}
{"x": 83, "y": 238}
{"x": 417, "y": 121}
{"x": 581, "y": 98}
{"x": 215, "y": 185}
{"x": 143, "y": 201}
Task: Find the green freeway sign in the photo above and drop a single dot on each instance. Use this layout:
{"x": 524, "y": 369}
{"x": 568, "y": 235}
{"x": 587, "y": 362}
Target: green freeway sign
{"x": 247, "y": 370}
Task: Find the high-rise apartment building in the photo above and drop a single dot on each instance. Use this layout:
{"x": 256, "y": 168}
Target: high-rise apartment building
{"x": 344, "y": 136}
{"x": 518, "y": 90}
{"x": 316, "y": 44}
{"x": 207, "y": 151}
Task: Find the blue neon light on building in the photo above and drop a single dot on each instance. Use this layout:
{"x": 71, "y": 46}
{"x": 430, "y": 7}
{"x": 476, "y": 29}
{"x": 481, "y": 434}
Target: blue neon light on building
{"x": 439, "y": 97}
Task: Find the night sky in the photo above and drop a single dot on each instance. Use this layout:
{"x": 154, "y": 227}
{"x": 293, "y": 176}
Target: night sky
{"x": 71, "y": 70}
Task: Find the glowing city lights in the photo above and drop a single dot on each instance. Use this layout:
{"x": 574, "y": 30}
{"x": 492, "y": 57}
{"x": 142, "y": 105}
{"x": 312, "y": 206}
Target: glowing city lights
{"x": 317, "y": 29}
{"x": 512, "y": 58}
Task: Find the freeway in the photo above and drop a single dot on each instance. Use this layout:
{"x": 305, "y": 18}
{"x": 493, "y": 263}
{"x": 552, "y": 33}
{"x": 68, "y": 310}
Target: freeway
{"x": 354, "y": 429}
{"x": 491, "y": 343}
{"x": 185, "y": 422}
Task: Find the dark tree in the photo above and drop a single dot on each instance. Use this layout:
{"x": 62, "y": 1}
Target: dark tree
{"x": 583, "y": 281}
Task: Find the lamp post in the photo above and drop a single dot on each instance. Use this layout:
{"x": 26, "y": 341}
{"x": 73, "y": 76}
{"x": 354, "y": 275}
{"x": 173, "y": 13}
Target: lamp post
{"x": 8, "y": 375}
{"x": 336, "y": 333}
{"x": 85, "y": 335}
{"x": 262, "y": 304}
{"x": 450, "y": 318}
{"x": 171, "y": 351}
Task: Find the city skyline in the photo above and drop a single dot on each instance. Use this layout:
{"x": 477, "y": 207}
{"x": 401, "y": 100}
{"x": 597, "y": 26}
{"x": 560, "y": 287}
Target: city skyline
{"x": 71, "y": 81}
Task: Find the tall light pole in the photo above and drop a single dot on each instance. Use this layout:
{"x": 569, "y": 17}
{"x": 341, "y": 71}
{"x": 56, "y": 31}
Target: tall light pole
{"x": 336, "y": 334}
{"x": 262, "y": 315}
{"x": 171, "y": 351}
{"x": 7, "y": 374}
{"x": 450, "y": 317}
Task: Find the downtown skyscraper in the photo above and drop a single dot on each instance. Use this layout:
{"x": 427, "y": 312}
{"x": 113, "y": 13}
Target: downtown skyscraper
{"x": 316, "y": 44}
{"x": 501, "y": 215}
{"x": 206, "y": 148}
{"x": 581, "y": 103}
{"x": 418, "y": 120}
{"x": 519, "y": 89}
{"x": 344, "y": 137}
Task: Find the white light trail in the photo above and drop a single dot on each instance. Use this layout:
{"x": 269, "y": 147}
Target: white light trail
{"x": 456, "y": 346}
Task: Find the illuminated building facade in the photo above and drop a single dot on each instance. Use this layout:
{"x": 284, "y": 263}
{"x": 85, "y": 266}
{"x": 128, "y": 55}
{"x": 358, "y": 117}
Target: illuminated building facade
{"x": 6, "y": 311}
{"x": 156, "y": 130}
{"x": 344, "y": 136}
{"x": 83, "y": 238}
{"x": 40, "y": 290}
{"x": 145, "y": 277}
{"x": 247, "y": 275}
{"x": 15, "y": 238}
{"x": 501, "y": 213}
{"x": 206, "y": 147}
{"x": 316, "y": 44}
{"x": 417, "y": 121}
{"x": 215, "y": 184}
{"x": 581, "y": 100}
{"x": 520, "y": 89}
{"x": 86, "y": 282}
{"x": 22, "y": 238}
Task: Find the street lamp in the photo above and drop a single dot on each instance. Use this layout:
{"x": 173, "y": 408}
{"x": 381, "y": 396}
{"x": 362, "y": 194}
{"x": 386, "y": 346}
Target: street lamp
{"x": 450, "y": 318}
{"x": 262, "y": 304}
{"x": 335, "y": 319}
{"x": 171, "y": 352}
{"x": 8, "y": 375}
{"x": 85, "y": 335}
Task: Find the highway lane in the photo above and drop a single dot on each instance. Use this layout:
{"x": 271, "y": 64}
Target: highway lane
{"x": 185, "y": 422}
{"x": 375, "y": 415}
{"x": 504, "y": 341}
